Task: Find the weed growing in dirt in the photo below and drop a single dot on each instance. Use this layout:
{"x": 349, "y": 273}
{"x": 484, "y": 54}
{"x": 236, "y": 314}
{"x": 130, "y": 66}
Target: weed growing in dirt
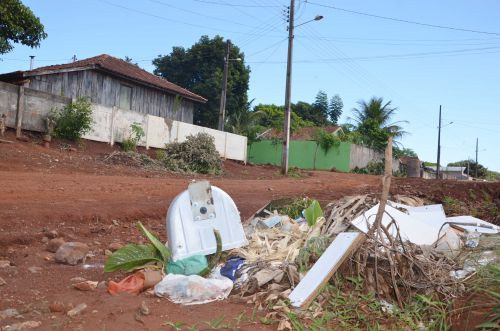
{"x": 348, "y": 307}
{"x": 196, "y": 154}
{"x": 74, "y": 120}
{"x": 137, "y": 132}
{"x": 294, "y": 208}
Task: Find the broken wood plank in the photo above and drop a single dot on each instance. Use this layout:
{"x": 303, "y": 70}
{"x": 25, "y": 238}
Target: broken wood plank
{"x": 339, "y": 250}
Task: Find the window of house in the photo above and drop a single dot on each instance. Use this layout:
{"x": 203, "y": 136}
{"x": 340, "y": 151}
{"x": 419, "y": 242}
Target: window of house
{"x": 125, "y": 101}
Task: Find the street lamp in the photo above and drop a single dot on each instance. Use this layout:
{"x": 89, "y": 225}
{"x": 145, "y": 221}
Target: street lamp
{"x": 222, "y": 109}
{"x": 288, "y": 90}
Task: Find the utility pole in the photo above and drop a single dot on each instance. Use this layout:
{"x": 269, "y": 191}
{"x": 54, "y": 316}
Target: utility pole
{"x": 477, "y": 144}
{"x": 288, "y": 92}
{"x": 74, "y": 58}
{"x": 32, "y": 61}
{"x": 222, "y": 110}
{"x": 439, "y": 146}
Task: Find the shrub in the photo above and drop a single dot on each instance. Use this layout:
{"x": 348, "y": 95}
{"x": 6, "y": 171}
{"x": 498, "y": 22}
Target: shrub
{"x": 130, "y": 143}
{"x": 325, "y": 140}
{"x": 372, "y": 168}
{"x": 196, "y": 154}
{"x": 74, "y": 120}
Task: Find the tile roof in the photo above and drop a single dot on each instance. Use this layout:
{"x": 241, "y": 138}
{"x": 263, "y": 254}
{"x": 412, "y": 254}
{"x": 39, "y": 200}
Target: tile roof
{"x": 122, "y": 68}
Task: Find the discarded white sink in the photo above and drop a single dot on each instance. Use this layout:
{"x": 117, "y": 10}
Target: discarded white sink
{"x": 195, "y": 213}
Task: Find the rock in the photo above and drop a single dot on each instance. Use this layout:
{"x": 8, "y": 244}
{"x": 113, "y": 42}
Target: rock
{"x": 11, "y": 312}
{"x": 77, "y": 310}
{"x": 144, "y": 309}
{"x": 85, "y": 286}
{"x": 102, "y": 285}
{"x": 45, "y": 239}
{"x": 23, "y": 138}
{"x": 57, "y": 307}
{"x": 2, "y": 281}
{"x": 35, "y": 270}
{"x": 22, "y": 326}
{"x": 115, "y": 222}
{"x": 115, "y": 246}
{"x": 107, "y": 252}
{"x": 54, "y": 244}
{"x": 72, "y": 253}
{"x": 52, "y": 234}
{"x": 77, "y": 280}
{"x": 4, "y": 264}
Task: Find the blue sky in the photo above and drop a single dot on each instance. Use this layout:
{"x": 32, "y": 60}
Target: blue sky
{"x": 356, "y": 56}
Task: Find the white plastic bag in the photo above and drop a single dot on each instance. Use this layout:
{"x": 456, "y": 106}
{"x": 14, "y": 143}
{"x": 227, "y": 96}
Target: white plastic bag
{"x": 194, "y": 290}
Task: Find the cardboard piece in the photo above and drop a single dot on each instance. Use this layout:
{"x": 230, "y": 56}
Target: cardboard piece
{"x": 339, "y": 250}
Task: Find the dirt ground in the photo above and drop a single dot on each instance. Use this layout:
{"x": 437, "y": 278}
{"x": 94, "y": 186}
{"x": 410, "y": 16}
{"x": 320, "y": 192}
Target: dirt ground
{"x": 70, "y": 189}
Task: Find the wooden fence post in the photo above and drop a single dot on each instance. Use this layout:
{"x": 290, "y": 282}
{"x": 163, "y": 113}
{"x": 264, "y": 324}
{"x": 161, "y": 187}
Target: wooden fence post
{"x": 112, "y": 133}
{"x": 19, "y": 111}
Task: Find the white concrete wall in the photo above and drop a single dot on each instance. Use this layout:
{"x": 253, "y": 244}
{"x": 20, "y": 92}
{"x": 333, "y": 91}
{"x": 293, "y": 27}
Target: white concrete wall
{"x": 360, "y": 157}
{"x": 113, "y": 125}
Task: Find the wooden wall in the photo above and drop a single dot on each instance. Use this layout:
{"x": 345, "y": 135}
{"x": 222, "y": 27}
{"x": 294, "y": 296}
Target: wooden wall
{"x": 105, "y": 89}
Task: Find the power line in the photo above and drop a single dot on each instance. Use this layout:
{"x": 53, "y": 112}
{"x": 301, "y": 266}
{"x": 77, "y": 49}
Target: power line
{"x": 199, "y": 14}
{"x": 398, "y": 56}
{"x": 403, "y": 20}
{"x": 268, "y": 47}
{"x": 235, "y": 5}
{"x": 171, "y": 19}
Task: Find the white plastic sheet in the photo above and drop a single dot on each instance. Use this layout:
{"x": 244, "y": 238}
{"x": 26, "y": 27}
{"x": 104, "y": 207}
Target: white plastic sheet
{"x": 194, "y": 289}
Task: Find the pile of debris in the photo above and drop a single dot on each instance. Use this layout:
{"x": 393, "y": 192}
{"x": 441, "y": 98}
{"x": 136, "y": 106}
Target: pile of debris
{"x": 282, "y": 261}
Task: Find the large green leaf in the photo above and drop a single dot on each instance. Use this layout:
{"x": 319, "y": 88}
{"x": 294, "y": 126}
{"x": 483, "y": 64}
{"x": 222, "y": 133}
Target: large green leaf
{"x": 165, "y": 253}
{"x": 131, "y": 257}
{"x": 313, "y": 212}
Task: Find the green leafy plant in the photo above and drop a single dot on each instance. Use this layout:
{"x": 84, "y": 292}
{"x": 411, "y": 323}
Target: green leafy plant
{"x": 135, "y": 256}
{"x": 74, "y": 120}
{"x": 293, "y": 208}
{"x": 196, "y": 154}
{"x": 313, "y": 212}
{"x": 130, "y": 143}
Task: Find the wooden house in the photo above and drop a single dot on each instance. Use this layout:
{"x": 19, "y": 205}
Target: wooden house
{"x": 110, "y": 81}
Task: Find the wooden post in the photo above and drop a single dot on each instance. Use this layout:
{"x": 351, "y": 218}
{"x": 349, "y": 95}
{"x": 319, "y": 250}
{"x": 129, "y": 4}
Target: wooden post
{"x": 225, "y": 145}
{"x": 147, "y": 131}
{"x": 112, "y": 133}
{"x": 19, "y": 111}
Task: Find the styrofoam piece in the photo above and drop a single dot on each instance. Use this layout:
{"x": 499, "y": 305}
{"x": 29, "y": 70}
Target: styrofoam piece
{"x": 431, "y": 214}
{"x": 493, "y": 229}
{"x": 323, "y": 269}
{"x": 188, "y": 237}
{"x": 410, "y": 228}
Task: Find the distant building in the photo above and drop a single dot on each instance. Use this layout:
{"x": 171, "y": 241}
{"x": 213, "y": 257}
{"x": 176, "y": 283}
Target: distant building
{"x": 110, "y": 81}
{"x": 429, "y": 172}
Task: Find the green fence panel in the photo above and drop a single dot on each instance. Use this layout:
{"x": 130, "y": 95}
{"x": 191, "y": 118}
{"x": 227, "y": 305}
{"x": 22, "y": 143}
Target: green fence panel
{"x": 303, "y": 154}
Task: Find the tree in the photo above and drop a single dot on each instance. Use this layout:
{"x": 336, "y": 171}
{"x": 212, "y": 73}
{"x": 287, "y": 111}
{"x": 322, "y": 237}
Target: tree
{"x": 273, "y": 117}
{"x": 200, "y": 69}
{"x": 320, "y": 106}
{"x": 400, "y": 152}
{"x": 18, "y": 24}
{"x": 335, "y": 108}
{"x": 130, "y": 60}
{"x": 471, "y": 166}
{"x": 373, "y": 123}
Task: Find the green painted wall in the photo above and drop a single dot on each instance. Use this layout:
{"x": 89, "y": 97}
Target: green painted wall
{"x": 301, "y": 155}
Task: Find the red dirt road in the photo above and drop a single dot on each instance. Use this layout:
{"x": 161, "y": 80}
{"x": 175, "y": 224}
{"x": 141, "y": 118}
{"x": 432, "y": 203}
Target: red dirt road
{"x": 78, "y": 195}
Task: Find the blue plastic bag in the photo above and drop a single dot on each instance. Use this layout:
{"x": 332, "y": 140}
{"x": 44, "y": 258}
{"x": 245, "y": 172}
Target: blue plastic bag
{"x": 231, "y": 267}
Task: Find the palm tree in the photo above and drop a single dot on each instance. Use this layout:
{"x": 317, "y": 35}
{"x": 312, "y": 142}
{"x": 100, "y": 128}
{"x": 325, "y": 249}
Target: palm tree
{"x": 373, "y": 122}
